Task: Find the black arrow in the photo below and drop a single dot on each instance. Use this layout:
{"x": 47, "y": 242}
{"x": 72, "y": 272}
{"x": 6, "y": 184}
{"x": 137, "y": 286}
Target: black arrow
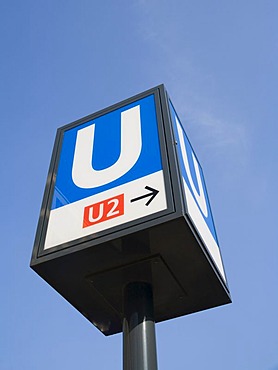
{"x": 152, "y": 195}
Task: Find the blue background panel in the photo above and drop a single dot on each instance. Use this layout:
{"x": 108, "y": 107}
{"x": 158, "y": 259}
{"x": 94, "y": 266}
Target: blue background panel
{"x": 189, "y": 150}
{"x": 106, "y": 151}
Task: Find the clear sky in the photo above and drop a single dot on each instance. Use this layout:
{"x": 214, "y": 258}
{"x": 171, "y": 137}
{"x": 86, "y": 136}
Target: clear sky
{"x": 62, "y": 60}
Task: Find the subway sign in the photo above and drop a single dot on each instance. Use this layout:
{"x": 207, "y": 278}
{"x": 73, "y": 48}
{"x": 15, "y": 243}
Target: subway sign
{"x": 126, "y": 201}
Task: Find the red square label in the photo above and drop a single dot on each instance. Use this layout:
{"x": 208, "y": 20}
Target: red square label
{"x": 103, "y": 211}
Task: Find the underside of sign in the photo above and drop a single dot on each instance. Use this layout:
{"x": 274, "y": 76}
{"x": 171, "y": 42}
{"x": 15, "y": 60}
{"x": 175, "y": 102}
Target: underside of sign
{"x": 126, "y": 202}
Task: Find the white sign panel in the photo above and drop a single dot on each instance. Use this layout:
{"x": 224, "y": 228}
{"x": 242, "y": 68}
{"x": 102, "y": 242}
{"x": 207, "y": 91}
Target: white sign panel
{"x": 109, "y": 173}
{"x": 198, "y": 207}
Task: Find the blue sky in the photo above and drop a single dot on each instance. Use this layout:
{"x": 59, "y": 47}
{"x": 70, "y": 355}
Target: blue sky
{"x": 62, "y": 60}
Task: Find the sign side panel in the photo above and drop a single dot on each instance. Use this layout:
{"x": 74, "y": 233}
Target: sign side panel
{"x": 98, "y": 186}
{"x": 198, "y": 206}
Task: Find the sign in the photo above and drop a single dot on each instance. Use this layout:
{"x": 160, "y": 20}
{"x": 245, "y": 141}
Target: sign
{"x": 105, "y": 165}
{"x": 193, "y": 183}
{"x": 126, "y": 201}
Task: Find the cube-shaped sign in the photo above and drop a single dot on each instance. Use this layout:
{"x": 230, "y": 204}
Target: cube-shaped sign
{"x": 126, "y": 201}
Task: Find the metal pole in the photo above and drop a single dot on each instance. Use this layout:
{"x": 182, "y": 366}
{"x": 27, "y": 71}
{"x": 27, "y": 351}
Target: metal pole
{"x": 139, "y": 345}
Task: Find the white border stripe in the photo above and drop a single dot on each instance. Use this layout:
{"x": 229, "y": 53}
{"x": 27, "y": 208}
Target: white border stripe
{"x": 203, "y": 229}
{"x": 65, "y": 223}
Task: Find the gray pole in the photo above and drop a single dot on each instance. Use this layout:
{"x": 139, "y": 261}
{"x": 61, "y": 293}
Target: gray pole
{"x": 139, "y": 346}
